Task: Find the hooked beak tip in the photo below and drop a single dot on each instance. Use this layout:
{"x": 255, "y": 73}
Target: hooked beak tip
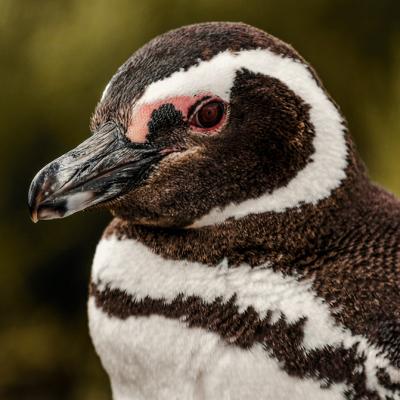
{"x": 46, "y": 202}
{"x": 43, "y": 211}
{"x": 34, "y": 216}
{"x": 38, "y": 194}
{"x": 34, "y": 200}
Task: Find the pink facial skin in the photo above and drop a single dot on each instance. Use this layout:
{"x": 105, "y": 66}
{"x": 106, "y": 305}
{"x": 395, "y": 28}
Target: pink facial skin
{"x": 138, "y": 128}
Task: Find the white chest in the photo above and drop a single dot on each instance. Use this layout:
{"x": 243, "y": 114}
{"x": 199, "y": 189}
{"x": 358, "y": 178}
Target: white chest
{"x": 154, "y": 357}
{"x": 158, "y": 358}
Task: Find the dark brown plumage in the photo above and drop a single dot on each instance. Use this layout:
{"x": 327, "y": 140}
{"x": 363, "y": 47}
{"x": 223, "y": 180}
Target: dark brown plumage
{"x": 345, "y": 244}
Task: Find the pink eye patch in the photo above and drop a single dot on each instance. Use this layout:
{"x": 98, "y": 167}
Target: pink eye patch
{"x": 205, "y": 114}
{"x": 138, "y": 129}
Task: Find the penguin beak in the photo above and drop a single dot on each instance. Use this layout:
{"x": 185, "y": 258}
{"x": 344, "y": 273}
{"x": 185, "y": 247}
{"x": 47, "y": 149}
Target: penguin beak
{"x": 102, "y": 168}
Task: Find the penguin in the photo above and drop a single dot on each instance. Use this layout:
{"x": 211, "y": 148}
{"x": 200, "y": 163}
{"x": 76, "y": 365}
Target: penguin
{"x": 249, "y": 255}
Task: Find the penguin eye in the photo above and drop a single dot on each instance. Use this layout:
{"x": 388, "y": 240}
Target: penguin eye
{"x": 208, "y": 115}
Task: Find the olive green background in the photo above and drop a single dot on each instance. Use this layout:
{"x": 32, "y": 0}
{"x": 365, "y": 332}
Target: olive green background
{"x": 55, "y": 59}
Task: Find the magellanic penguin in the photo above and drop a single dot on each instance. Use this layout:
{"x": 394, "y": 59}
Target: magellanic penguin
{"x": 250, "y": 257}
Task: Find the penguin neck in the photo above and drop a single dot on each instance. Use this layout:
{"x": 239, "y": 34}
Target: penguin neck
{"x": 279, "y": 238}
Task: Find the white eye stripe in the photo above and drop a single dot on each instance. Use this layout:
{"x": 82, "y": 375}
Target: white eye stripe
{"x": 202, "y": 78}
{"x": 320, "y": 176}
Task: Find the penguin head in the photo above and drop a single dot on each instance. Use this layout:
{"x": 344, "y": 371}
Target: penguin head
{"x": 204, "y": 123}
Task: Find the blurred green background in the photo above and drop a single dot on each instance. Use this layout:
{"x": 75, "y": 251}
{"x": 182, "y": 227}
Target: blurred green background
{"x": 56, "y": 58}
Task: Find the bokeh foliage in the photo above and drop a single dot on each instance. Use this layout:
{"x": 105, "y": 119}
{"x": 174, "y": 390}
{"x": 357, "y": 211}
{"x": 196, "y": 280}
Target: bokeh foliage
{"x": 56, "y": 58}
